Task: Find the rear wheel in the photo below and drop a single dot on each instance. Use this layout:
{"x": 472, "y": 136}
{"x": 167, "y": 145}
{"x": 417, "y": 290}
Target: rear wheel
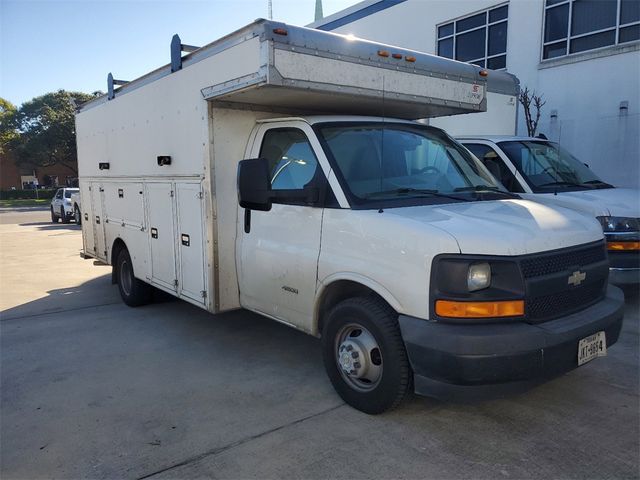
{"x": 63, "y": 216}
{"x": 364, "y": 355}
{"x": 77, "y": 215}
{"x": 134, "y": 292}
{"x": 54, "y": 218}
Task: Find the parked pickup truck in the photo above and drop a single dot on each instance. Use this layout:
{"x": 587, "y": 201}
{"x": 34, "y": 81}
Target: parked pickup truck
{"x": 545, "y": 172}
{"x": 346, "y": 219}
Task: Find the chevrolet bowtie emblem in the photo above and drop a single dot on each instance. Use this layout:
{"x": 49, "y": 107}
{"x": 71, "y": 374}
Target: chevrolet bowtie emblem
{"x": 576, "y": 278}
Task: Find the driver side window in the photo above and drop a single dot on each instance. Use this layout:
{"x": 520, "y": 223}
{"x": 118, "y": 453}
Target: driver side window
{"x": 292, "y": 163}
{"x": 59, "y": 194}
{"x": 495, "y": 165}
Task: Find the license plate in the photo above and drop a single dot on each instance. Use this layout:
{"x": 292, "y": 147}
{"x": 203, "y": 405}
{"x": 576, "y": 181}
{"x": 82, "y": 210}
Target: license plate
{"x": 591, "y": 347}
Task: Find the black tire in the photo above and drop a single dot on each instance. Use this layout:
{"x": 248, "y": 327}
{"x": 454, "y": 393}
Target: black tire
{"x": 77, "y": 215}
{"x": 54, "y": 218}
{"x": 134, "y": 292}
{"x": 63, "y": 216}
{"x": 395, "y": 379}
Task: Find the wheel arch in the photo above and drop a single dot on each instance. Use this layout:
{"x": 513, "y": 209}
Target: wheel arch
{"x": 117, "y": 246}
{"x": 339, "y": 287}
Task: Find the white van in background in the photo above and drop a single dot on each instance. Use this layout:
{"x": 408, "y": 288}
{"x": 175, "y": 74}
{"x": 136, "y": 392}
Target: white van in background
{"x": 543, "y": 171}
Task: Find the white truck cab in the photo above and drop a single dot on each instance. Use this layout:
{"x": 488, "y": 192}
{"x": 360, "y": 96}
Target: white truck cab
{"x": 543, "y": 171}
{"x": 280, "y": 170}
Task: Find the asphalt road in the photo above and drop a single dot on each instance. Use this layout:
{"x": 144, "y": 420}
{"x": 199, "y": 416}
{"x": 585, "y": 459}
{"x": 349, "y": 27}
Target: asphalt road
{"x": 94, "y": 389}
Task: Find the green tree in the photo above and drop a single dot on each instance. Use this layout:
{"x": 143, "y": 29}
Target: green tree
{"x": 45, "y": 130}
{"x": 8, "y": 132}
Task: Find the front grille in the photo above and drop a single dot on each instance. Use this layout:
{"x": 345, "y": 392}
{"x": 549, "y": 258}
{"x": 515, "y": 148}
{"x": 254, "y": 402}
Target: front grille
{"x": 550, "y": 306}
{"x": 557, "y": 262}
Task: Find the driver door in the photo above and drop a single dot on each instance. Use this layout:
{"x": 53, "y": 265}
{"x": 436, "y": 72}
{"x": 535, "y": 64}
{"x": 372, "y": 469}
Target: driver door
{"x": 279, "y": 249}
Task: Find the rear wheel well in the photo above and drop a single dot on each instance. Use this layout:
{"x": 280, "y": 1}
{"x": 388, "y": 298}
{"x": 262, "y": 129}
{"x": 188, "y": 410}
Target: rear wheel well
{"x": 338, "y": 291}
{"x": 118, "y": 246}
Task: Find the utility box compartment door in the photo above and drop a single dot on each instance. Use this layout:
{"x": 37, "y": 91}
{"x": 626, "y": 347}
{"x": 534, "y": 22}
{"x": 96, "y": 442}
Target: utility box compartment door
{"x": 98, "y": 219}
{"x": 88, "y": 236}
{"x": 160, "y": 213}
{"x": 191, "y": 247}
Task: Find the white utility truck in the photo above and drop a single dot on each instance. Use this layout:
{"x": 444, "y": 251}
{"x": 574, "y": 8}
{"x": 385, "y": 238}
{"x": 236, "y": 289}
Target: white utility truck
{"x": 347, "y": 220}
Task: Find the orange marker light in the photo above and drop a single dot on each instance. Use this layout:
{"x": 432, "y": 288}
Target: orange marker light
{"x": 397, "y": 56}
{"x": 383, "y": 53}
{"x": 623, "y": 246}
{"x": 483, "y": 73}
{"x": 410, "y": 59}
{"x": 280, "y": 31}
{"x": 451, "y": 309}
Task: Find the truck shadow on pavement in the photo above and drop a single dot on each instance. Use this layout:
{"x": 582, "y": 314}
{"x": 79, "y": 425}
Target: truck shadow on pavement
{"x": 52, "y": 226}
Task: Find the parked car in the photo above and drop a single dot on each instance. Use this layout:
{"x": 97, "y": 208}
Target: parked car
{"x": 543, "y": 171}
{"x": 62, "y": 206}
{"x": 77, "y": 213}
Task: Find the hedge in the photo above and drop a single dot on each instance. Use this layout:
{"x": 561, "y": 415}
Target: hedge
{"x": 27, "y": 194}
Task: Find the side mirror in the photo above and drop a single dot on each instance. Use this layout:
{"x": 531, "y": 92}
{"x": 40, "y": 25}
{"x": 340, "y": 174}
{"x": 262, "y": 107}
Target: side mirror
{"x": 254, "y": 187}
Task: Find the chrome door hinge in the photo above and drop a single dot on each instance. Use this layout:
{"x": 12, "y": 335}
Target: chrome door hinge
{"x": 175, "y": 282}
{"x": 203, "y": 293}
{"x": 171, "y": 193}
{"x": 199, "y": 195}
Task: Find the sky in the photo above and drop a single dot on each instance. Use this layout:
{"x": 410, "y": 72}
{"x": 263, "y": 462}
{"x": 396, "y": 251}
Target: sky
{"x": 46, "y": 45}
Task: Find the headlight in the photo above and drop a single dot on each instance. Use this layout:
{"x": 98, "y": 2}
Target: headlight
{"x": 619, "y": 224}
{"x": 479, "y": 276}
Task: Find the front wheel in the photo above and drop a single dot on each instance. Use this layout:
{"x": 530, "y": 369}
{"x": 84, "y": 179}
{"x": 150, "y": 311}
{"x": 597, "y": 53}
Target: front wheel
{"x": 63, "y": 216}
{"x": 134, "y": 292}
{"x": 77, "y": 215}
{"x": 364, "y": 355}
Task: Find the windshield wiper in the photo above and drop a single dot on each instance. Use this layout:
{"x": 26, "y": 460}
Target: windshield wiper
{"x": 569, "y": 184}
{"x": 599, "y": 183}
{"x": 485, "y": 188}
{"x": 413, "y": 191}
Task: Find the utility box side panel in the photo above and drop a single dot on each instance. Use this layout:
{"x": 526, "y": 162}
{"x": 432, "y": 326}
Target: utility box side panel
{"x": 88, "y": 236}
{"x": 162, "y": 236}
{"x": 231, "y": 130}
{"x": 192, "y": 252}
{"x": 166, "y": 117}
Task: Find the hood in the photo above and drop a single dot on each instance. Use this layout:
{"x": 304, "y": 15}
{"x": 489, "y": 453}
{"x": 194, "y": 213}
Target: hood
{"x": 617, "y": 202}
{"x": 507, "y": 227}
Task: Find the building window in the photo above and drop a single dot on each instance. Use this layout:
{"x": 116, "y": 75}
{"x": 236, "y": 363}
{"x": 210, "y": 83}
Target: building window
{"x": 480, "y": 38}
{"x": 574, "y": 26}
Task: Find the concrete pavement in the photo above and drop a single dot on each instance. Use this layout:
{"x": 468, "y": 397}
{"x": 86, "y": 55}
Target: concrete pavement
{"x": 94, "y": 389}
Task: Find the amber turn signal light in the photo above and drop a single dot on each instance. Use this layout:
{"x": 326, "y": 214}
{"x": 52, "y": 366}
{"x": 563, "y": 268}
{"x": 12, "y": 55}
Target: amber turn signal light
{"x": 623, "y": 246}
{"x": 451, "y": 309}
{"x": 383, "y": 53}
{"x": 280, "y": 31}
{"x": 483, "y": 73}
{"x": 410, "y": 59}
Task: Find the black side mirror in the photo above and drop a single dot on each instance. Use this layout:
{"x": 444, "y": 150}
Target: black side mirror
{"x": 254, "y": 187}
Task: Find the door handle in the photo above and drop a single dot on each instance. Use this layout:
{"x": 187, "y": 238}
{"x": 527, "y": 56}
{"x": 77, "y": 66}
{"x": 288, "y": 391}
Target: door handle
{"x": 97, "y": 220}
{"x": 247, "y": 220}
{"x": 186, "y": 241}
{"x": 154, "y": 233}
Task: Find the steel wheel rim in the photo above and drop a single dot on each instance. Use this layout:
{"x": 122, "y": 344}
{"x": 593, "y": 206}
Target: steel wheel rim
{"x": 358, "y": 357}
{"x": 125, "y": 277}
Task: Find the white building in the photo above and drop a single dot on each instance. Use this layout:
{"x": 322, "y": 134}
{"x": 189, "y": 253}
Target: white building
{"x": 583, "y": 56}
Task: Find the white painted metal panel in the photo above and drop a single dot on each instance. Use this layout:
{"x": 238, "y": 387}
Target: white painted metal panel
{"x": 124, "y": 203}
{"x": 191, "y": 247}
{"x": 88, "y": 236}
{"x": 98, "y": 220}
{"x": 160, "y": 212}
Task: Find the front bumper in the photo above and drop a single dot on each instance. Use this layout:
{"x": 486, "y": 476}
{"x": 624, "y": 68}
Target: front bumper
{"x": 471, "y": 362}
{"x": 624, "y": 267}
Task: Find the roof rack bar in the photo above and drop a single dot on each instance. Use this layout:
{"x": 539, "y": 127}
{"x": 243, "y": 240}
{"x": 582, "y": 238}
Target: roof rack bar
{"x": 110, "y": 84}
{"x": 177, "y": 47}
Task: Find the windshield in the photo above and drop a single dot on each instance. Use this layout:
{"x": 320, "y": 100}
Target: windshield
{"x": 70, "y": 191}
{"x": 548, "y": 167}
{"x": 392, "y": 161}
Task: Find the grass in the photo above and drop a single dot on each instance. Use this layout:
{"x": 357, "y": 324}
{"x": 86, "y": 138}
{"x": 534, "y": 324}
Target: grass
{"x": 30, "y": 202}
